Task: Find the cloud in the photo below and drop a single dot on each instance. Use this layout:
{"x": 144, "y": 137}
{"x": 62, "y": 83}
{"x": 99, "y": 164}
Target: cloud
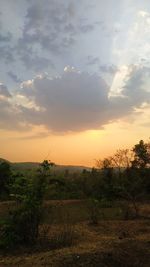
{"x": 9, "y": 115}
{"x": 135, "y": 88}
{"x": 6, "y": 54}
{"x": 111, "y": 69}
{"x": 78, "y": 101}
{"x": 39, "y": 135}
{"x": 4, "y": 91}
{"x": 52, "y": 26}
{"x": 84, "y": 28}
{"x": 72, "y": 102}
{"x": 14, "y": 77}
{"x": 75, "y": 101}
{"x": 5, "y": 38}
{"x": 38, "y": 63}
{"x": 47, "y": 35}
{"x": 93, "y": 60}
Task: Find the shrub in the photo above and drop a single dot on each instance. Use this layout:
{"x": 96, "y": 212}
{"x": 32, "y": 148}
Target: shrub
{"x": 21, "y": 227}
{"x": 22, "y": 224}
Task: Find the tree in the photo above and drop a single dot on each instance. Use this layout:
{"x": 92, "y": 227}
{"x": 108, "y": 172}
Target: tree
{"x": 106, "y": 178}
{"x": 121, "y": 179}
{"x": 22, "y": 224}
{"x": 141, "y": 155}
{"x": 5, "y": 178}
{"x": 141, "y": 163}
{"x": 129, "y": 183}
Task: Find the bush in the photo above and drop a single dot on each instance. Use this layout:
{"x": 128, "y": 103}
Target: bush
{"x": 5, "y": 179}
{"x": 21, "y": 228}
{"x": 22, "y": 224}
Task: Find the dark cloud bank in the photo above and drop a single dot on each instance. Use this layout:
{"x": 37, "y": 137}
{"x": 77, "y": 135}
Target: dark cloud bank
{"x": 75, "y": 101}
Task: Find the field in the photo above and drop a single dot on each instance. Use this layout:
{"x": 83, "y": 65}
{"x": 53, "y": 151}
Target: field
{"x": 71, "y": 240}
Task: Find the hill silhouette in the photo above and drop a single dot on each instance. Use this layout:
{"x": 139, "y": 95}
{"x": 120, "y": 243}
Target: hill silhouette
{"x": 35, "y": 165}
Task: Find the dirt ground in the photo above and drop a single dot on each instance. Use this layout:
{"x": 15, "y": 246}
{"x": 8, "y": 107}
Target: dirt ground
{"x": 111, "y": 243}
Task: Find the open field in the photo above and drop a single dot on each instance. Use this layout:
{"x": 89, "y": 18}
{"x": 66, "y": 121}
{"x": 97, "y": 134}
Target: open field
{"x": 113, "y": 242}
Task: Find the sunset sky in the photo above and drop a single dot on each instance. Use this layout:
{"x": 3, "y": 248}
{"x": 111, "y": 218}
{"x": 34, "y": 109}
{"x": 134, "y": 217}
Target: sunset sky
{"x": 74, "y": 78}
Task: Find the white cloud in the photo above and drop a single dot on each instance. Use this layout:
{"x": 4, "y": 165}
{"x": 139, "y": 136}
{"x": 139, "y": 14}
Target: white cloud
{"x": 69, "y": 69}
{"x": 143, "y": 13}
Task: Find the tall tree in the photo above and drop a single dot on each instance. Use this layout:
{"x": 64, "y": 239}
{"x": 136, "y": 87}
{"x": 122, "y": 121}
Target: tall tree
{"x": 5, "y": 177}
{"x": 141, "y": 155}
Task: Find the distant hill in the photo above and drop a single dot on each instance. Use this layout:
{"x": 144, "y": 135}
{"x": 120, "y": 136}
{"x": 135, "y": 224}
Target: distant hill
{"x": 25, "y": 166}
{"x": 4, "y": 160}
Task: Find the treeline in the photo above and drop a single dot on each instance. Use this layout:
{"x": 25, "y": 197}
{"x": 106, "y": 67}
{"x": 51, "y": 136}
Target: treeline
{"x": 124, "y": 177}
{"x": 125, "y": 174}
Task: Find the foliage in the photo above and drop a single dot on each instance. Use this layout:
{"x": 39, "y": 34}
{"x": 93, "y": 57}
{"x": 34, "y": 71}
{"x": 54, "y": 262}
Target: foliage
{"x": 5, "y": 179}
{"x": 141, "y": 155}
{"x": 22, "y": 225}
{"x": 125, "y": 175}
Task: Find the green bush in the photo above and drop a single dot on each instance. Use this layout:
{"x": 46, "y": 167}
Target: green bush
{"x": 21, "y": 228}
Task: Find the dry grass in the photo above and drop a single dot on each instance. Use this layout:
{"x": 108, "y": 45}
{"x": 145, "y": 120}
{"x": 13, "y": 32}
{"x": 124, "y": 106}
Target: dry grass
{"x": 113, "y": 243}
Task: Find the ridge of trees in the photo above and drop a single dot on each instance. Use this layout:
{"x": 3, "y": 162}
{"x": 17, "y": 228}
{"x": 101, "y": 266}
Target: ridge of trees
{"x": 124, "y": 177}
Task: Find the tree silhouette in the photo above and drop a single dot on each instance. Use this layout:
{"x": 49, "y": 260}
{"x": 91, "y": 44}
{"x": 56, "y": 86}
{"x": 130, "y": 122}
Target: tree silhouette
{"x": 5, "y": 177}
{"x": 141, "y": 155}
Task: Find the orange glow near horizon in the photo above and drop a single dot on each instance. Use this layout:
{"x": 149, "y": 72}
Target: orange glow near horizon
{"x": 71, "y": 149}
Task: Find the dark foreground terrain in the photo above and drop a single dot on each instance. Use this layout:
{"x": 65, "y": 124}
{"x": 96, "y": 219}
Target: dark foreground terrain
{"x": 69, "y": 239}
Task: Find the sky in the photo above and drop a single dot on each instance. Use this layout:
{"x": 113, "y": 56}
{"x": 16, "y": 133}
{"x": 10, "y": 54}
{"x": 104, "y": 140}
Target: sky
{"x": 74, "y": 78}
